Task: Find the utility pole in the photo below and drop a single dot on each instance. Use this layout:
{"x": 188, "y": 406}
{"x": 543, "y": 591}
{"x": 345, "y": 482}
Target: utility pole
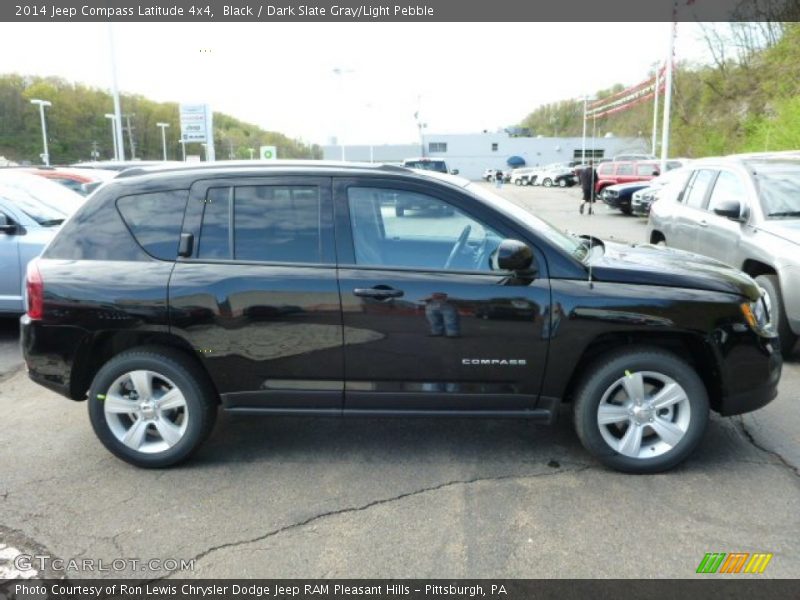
{"x": 119, "y": 147}
{"x": 668, "y": 98}
{"x": 95, "y": 151}
{"x": 130, "y": 129}
{"x": 114, "y": 130}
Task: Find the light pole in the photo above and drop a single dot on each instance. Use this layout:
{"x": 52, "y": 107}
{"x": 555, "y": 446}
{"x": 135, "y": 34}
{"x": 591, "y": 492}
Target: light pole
{"x": 163, "y": 137}
{"x": 113, "y": 118}
{"x": 119, "y": 146}
{"x": 183, "y": 149}
{"x": 42, "y": 104}
{"x": 339, "y": 72}
{"x": 252, "y": 152}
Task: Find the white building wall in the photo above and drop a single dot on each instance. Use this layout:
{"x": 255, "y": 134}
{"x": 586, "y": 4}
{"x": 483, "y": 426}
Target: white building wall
{"x": 473, "y": 152}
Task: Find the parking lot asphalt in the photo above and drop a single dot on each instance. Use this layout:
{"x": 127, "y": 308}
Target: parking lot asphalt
{"x": 290, "y": 497}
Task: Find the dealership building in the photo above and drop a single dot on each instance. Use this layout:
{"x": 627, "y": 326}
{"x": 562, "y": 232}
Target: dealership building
{"x": 472, "y": 153}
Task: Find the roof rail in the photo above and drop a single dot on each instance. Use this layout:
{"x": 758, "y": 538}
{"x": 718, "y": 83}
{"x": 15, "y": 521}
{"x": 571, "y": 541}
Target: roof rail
{"x": 246, "y": 164}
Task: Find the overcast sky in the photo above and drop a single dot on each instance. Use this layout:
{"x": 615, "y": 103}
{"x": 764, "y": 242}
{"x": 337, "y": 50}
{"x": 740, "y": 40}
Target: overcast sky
{"x": 464, "y": 77}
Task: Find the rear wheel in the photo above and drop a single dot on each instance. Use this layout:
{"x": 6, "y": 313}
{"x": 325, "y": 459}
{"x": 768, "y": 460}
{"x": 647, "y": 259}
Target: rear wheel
{"x": 777, "y": 313}
{"x": 547, "y": 182}
{"x": 151, "y": 407}
{"x": 641, "y": 410}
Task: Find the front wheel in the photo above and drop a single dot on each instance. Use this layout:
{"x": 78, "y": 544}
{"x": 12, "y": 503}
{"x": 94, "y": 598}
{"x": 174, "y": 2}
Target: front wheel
{"x": 151, "y": 407}
{"x": 547, "y": 182}
{"x": 777, "y": 313}
{"x": 562, "y": 183}
{"x": 641, "y": 410}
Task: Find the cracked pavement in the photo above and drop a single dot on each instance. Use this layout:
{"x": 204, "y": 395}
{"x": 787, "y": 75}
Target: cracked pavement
{"x": 292, "y": 497}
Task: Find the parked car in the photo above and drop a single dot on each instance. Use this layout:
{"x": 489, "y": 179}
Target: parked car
{"x": 612, "y": 173}
{"x": 488, "y": 174}
{"x": 642, "y": 200}
{"x": 78, "y": 180}
{"x": 521, "y": 176}
{"x": 551, "y": 175}
{"x": 429, "y": 164}
{"x": 31, "y": 209}
{"x": 745, "y": 212}
{"x": 144, "y": 301}
{"x": 619, "y": 196}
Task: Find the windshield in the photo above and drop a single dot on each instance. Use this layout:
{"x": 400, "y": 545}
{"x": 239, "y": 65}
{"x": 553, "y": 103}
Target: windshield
{"x": 779, "y": 187}
{"x": 427, "y": 165}
{"x": 46, "y": 202}
{"x": 572, "y": 245}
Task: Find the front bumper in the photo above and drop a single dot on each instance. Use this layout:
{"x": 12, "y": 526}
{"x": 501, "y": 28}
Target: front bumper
{"x": 751, "y": 371}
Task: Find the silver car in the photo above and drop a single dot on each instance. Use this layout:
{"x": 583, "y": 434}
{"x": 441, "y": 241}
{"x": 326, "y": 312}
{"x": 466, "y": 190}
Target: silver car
{"x": 743, "y": 211}
{"x": 31, "y": 210}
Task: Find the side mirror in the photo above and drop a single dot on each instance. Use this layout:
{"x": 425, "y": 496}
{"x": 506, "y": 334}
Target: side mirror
{"x": 453, "y": 171}
{"x": 7, "y": 225}
{"x": 730, "y": 209}
{"x": 512, "y": 255}
{"x": 656, "y": 173}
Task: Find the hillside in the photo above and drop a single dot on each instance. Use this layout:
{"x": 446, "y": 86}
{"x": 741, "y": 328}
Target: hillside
{"x": 77, "y": 119}
{"x": 747, "y": 100}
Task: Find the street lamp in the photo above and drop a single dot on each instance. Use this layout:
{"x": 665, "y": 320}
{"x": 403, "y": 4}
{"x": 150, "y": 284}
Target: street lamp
{"x": 339, "y": 72}
{"x": 163, "y": 137}
{"x": 42, "y": 104}
{"x": 113, "y": 118}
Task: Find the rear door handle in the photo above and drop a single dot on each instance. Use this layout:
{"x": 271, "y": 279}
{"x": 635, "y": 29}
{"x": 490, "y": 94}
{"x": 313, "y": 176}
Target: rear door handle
{"x": 378, "y": 292}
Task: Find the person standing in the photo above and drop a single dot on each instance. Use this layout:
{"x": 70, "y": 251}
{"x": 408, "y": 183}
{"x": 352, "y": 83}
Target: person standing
{"x": 588, "y": 181}
{"x": 498, "y": 179}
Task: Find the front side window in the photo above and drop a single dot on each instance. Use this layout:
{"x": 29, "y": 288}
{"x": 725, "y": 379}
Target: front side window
{"x": 695, "y": 194}
{"x": 646, "y": 170}
{"x": 401, "y": 228}
{"x": 727, "y": 188}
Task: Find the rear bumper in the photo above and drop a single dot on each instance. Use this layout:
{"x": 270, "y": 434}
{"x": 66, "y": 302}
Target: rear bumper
{"x": 49, "y": 354}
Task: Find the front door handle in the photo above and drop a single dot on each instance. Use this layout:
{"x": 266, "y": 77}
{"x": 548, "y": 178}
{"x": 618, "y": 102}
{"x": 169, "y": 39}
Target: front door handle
{"x": 378, "y": 292}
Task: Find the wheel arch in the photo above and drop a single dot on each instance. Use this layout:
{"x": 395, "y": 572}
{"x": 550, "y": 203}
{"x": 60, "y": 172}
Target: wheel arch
{"x": 97, "y": 350}
{"x": 686, "y": 346}
{"x": 754, "y": 268}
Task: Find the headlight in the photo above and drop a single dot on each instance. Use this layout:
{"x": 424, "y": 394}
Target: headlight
{"x": 756, "y": 315}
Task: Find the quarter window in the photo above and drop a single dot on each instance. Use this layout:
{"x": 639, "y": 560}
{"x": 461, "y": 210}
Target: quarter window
{"x": 155, "y": 220}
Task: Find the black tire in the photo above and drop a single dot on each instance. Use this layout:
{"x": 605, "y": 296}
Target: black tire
{"x": 626, "y": 210}
{"x": 562, "y": 183}
{"x": 399, "y": 211}
{"x": 603, "y": 374}
{"x": 786, "y": 337}
{"x": 547, "y": 182}
{"x": 193, "y": 383}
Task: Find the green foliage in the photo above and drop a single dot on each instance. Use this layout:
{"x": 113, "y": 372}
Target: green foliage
{"x": 743, "y": 104}
{"x": 77, "y": 120}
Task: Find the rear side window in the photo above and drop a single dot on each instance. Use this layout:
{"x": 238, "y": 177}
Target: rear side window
{"x": 625, "y": 169}
{"x": 270, "y": 224}
{"x": 605, "y": 169}
{"x": 155, "y": 220}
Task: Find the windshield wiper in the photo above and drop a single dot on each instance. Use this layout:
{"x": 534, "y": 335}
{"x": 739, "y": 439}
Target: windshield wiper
{"x": 786, "y": 213}
{"x": 51, "y": 222}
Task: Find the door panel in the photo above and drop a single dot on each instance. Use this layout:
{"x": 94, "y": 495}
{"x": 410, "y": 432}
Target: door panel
{"x": 427, "y": 326}
{"x": 258, "y": 299}
{"x": 721, "y": 236}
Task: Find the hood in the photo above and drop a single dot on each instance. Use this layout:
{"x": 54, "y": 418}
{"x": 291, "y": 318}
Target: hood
{"x": 787, "y": 229}
{"x": 631, "y": 186}
{"x": 656, "y": 265}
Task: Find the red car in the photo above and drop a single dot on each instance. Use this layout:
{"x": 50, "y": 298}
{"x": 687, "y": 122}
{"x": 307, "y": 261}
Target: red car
{"x": 628, "y": 171}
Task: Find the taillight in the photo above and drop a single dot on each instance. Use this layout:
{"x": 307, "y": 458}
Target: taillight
{"x": 35, "y": 290}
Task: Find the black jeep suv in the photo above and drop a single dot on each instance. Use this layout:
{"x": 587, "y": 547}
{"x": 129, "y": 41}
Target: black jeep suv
{"x": 294, "y": 289}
